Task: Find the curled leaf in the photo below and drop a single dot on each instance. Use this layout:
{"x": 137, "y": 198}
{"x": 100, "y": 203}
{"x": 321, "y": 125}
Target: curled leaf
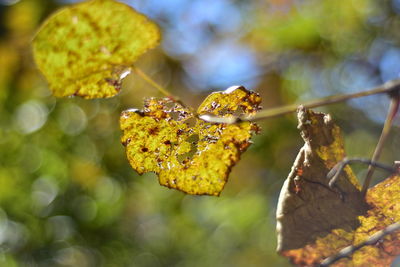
{"x": 186, "y": 153}
{"x": 86, "y": 49}
{"x": 315, "y": 221}
{"x": 384, "y": 200}
{"x": 308, "y": 208}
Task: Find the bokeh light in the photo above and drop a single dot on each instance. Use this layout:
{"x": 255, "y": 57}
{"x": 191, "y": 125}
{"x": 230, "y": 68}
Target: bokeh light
{"x": 68, "y": 196}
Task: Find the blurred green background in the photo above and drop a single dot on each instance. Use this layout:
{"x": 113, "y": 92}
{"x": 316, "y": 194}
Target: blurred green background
{"x": 68, "y": 196}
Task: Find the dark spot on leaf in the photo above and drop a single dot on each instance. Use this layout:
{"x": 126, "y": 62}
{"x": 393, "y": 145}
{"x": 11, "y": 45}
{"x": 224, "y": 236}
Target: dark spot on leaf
{"x": 145, "y": 149}
{"x": 126, "y": 142}
{"x": 153, "y": 131}
{"x": 243, "y": 146}
{"x": 114, "y": 82}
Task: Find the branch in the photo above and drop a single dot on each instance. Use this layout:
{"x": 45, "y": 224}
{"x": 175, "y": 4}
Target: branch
{"x": 393, "y": 108}
{"x": 334, "y": 173}
{"x": 389, "y": 88}
{"x": 348, "y": 251}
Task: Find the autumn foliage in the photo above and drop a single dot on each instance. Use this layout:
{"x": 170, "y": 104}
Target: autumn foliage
{"x": 82, "y": 53}
{"x": 187, "y": 153}
{"x": 86, "y": 50}
{"x": 315, "y": 221}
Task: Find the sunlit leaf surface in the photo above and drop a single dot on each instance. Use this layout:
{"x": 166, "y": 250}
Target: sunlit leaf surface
{"x": 315, "y": 221}
{"x": 86, "y": 49}
{"x": 189, "y": 154}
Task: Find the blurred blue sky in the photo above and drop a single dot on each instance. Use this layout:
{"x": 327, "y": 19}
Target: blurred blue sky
{"x": 205, "y": 35}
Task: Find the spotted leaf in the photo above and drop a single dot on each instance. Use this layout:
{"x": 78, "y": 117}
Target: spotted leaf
{"x": 187, "y": 153}
{"x": 87, "y": 49}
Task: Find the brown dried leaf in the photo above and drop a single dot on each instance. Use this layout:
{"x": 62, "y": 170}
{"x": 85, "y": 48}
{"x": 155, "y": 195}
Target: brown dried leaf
{"x": 315, "y": 222}
{"x": 186, "y": 153}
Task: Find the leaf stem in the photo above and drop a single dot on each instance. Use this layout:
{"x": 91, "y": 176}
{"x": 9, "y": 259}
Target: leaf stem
{"x": 159, "y": 87}
{"x": 153, "y": 83}
{"x": 393, "y": 108}
{"x": 388, "y": 87}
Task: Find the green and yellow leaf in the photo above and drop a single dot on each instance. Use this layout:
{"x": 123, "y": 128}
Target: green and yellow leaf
{"x": 186, "y": 153}
{"x": 87, "y": 49}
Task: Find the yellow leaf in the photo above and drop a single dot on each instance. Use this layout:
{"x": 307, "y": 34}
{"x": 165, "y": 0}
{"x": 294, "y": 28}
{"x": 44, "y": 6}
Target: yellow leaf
{"x": 186, "y": 153}
{"x": 87, "y": 49}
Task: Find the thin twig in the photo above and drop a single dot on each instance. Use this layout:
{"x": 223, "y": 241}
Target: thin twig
{"x": 348, "y": 251}
{"x": 394, "y": 107}
{"x": 334, "y": 173}
{"x": 388, "y": 87}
